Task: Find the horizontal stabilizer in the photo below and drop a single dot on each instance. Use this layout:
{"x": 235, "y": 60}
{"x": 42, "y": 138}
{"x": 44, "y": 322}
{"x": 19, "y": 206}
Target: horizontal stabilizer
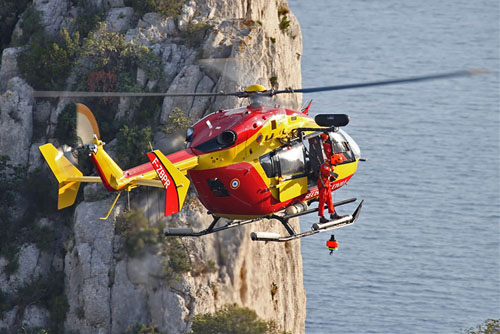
{"x": 67, "y": 175}
{"x": 148, "y": 183}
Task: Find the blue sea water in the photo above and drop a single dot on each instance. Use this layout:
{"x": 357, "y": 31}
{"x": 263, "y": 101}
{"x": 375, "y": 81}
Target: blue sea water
{"x": 424, "y": 255}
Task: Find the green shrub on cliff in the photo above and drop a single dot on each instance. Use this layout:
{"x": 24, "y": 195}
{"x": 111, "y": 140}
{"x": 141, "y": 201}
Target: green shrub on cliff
{"x": 195, "y": 34}
{"x": 143, "y": 329}
{"x": 43, "y": 55}
{"x": 46, "y": 62}
{"x": 47, "y": 291}
{"x": 110, "y": 52}
{"x": 87, "y": 19}
{"x": 177, "y": 120}
{"x": 9, "y": 15}
{"x": 490, "y": 326}
{"x": 30, "y": 26}
{"x": 65, "y": 131}
{"x": 139, "y": 236}
{"x": 233, "y": 319}
{"x": 168, "y": 8}
{"x": 133, "y": 145}
{"x": 178, "y": 261}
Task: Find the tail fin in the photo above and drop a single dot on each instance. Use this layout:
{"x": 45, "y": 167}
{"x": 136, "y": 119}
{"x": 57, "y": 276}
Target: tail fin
{"x": 175, "y": 183}
{"x": 66, "y": 174}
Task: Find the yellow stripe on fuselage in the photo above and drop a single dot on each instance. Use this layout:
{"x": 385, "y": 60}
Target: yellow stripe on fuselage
{"x": 249, "y": 151}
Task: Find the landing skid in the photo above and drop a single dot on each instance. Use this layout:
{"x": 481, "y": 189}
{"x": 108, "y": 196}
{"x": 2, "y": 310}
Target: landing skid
{"x": 316, "y": 227}
{"x": 269, "y": 236}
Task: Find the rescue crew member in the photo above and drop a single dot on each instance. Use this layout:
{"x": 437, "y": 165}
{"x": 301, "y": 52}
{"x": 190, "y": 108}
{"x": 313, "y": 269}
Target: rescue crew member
{"x": 325, "y": 182}
{"x": 327, "y": 145}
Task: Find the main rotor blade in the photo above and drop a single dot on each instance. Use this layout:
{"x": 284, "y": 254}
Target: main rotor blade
{"x": 42, "y": 93}
{"x": 243, "y": 94}
{"x": 448, "y": 75}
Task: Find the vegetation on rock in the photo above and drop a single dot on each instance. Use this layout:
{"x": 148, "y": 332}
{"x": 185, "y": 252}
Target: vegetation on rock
{"x": 177, "y": 121}
{"x": 168, "y": 8}
{"x": 233, "y": 319}
{"x": 282, "y": 16}
{"x": 177, "y": 262}
{"x": 52, "y": 57}
{"x": 16, "y": 186}
{"x": 195, "y": 33}
{"x": 132, "y": 146}
{"x": 139, "y": 236}
{"x": 10, "y": 11}
{"x": 46, "y": 291}
{"x": 490, "y": 326}
{"x": 65, "y": 131}
{"x": 143, "y": 329}
{"x": 110, "y": 52}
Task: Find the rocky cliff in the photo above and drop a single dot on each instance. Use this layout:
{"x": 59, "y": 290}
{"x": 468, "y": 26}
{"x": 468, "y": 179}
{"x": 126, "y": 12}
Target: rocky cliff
{"x": 108, "y": 283}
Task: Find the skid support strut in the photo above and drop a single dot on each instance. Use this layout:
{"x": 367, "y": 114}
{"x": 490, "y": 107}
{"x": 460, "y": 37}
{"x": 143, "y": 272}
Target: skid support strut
{"x": 269, "y": 236}
{"x": 316, "y": 228}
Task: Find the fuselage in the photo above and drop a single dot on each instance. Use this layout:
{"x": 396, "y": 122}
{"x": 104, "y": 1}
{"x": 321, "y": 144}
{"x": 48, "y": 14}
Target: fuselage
{"x": 249, "y": 166}
{"x": 247, "y": 162}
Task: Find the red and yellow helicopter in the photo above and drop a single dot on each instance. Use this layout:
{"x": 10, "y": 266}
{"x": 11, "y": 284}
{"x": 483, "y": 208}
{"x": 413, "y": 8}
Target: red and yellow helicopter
{"x": 246, "y": 163}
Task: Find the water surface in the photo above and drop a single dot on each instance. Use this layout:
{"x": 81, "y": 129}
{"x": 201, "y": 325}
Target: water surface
{"x": 424, "y": 255}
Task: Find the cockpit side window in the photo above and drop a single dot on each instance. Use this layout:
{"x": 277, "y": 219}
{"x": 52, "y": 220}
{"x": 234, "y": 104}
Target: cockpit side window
{"x": 341, "y": 145}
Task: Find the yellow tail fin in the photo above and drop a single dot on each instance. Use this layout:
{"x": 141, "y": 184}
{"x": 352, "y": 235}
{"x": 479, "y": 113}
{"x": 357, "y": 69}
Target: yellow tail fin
{"x": 174, "y": 181}
{"x": 66, "y": 174}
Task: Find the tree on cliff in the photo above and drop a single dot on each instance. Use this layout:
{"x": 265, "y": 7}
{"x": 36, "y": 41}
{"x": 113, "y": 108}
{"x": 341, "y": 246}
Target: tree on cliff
{"x": 490, "y": 326}
{"x": 232, "y": 319}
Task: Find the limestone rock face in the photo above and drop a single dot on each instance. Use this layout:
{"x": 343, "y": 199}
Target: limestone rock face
{"x": 9, "y": 319}
{"x": 16, "y": 121}
{"x": 109, "y": 292}
{"x": 240, "y": 43}
{"x": 190, "y": 79}
{"x": 114, "y": 3}
{"x": 33, "y": 264}
{"x": 244, "y": 46}
{"x": 152, "y": 28}
{"x": 28, "y": 269}
{"x": 35, "y": 316}
{"x": 87, "y": 268}
{"x": 52, "y": 14}
{"x": 8, "y": 68}
{"x": 119, "y": 19}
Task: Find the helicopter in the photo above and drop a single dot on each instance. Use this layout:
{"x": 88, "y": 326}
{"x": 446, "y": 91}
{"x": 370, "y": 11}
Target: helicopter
{"x": 246, "y": 164}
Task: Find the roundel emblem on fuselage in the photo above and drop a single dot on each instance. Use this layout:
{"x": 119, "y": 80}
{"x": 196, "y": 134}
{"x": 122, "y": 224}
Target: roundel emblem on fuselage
{"x": 235, "y": 183}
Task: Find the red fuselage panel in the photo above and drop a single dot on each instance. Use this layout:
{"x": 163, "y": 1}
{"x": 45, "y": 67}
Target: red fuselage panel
{"x": 247, "y": 194}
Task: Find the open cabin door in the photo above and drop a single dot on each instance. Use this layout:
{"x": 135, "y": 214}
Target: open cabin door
{"x": 293, "y": 172}
{"x": 289, "y": 164}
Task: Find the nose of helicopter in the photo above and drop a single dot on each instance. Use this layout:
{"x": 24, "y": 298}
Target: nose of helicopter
{"x": 354, "y": 146}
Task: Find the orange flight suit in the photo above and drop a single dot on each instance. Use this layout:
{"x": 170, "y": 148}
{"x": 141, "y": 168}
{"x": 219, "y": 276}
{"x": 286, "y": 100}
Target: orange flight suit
{"x": 325, "y": 188}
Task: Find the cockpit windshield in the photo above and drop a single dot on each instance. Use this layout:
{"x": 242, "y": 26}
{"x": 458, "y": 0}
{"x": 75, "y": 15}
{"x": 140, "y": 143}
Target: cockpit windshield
{"x": 352, "y": 144}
